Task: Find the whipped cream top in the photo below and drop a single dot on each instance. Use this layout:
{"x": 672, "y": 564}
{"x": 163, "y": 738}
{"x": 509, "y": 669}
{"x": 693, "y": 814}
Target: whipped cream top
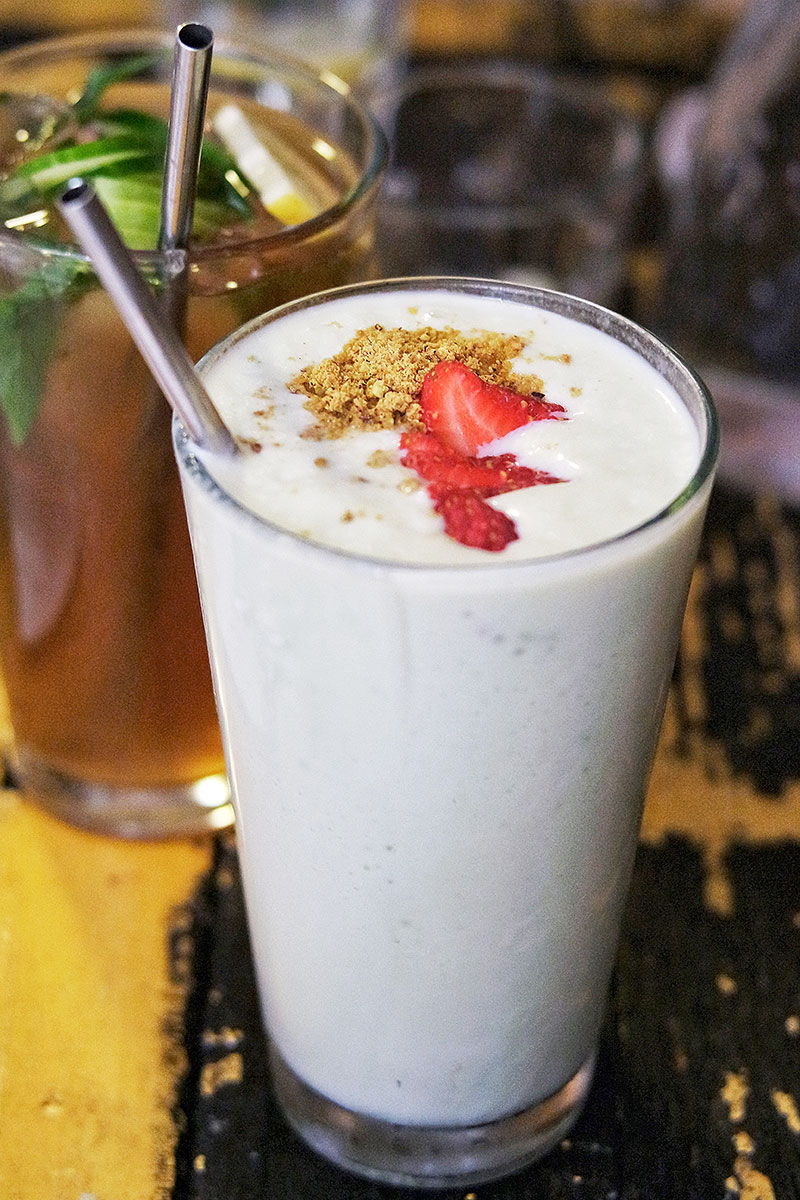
{"x": 626, "y": 450}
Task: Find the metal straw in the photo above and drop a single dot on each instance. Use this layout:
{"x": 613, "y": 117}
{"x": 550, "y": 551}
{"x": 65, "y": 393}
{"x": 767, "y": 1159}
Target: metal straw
{"x": 191, "y": 69}
{"x": 159, "y": 343}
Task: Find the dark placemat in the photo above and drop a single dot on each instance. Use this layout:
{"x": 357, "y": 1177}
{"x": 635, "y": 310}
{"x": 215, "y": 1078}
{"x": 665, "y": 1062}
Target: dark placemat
{"x": 697, "y": 1092}
{"x": 749, "y": 610}
{"x": 702, "y": 1006}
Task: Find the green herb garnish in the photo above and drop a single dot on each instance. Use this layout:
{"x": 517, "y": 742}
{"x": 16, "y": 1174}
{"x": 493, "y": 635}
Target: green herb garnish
{"x": 47, "y": 172}
{"x": 29, "y": 322}
{"x": 122, "y": 151}
{"x": 102, "y": 78}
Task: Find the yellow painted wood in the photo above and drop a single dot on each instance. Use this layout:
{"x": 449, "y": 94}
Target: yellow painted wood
{"x": 697, "y": 796}
{"x": 693, "y": 790}
{"x": 88, "y": 1069}
{"x": 59, "y": 15}
{"x": 451, "y": 26}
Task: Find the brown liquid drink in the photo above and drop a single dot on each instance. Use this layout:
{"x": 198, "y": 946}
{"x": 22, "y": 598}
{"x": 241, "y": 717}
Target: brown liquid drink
{"x": 101, "y": 639}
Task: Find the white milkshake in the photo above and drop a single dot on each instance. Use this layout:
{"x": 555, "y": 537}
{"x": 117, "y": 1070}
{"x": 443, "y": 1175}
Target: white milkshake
{"x": 627, "y": 446}
{"x": 439, "y": 753}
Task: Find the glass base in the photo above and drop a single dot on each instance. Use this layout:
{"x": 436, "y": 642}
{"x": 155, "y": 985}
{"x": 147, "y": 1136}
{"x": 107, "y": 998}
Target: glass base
{"x": 428, "y": 1156}
{"x": 141, "y": 813}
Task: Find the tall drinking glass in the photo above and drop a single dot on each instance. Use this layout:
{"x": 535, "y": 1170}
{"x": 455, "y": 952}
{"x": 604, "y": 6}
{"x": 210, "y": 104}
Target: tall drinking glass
{"x": 438, "y": 769}
{"x": 101, "y": 640}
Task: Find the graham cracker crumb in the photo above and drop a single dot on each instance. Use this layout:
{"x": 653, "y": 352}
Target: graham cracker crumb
{"x": 380, "y": 458}
{"x": 374, "y": 382}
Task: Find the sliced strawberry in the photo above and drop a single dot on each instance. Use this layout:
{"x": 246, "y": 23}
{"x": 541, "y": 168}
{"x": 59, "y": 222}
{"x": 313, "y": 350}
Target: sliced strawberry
{"x": 463, "y": 413}
{"x": 466, "y": 413}
{"x": 492, "y": 475}
{"x": 470, "y": 520}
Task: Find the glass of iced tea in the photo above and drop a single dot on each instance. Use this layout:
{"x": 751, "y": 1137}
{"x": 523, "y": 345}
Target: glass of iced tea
{"x": 101, "y": 640}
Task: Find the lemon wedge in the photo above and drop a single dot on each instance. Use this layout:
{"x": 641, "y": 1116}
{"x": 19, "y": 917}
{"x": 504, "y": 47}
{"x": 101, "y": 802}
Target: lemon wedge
{"x": 261, "y": 168}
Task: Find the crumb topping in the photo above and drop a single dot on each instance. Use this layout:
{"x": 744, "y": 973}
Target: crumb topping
{"x": 380, "y": 458}
{"x": 375, "y": 380}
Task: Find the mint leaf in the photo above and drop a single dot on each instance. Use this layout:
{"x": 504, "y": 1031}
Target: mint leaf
{"x": 102, "y": 78}
{"x": 125, "y": 160}
{"x": 217, "y": 169}
{"x": 134, "y": 200}
{"x": 217, "y": 165}
{"x": 122, "y": 157}
{"x": 47, "y": 172}
{"x": 133, "y": 122}
{"x": 30, "y": 318}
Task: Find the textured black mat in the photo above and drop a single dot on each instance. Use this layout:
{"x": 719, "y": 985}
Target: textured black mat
{"x": 751, "y": 684}
{"x": 696, "y": 1093}
{"x": 697, "y": 999}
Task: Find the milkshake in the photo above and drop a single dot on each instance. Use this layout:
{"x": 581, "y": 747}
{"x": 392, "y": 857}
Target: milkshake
{"x": 438, "y": 747}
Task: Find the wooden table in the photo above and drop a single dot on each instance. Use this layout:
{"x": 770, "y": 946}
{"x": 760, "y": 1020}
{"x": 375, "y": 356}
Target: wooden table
{"x": 95, "y": 964}
{"x": 131, "y": 1054}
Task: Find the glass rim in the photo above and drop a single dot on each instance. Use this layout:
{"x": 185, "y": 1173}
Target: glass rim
{"x": 639, "y": 339}
{"x": 225, "y": 48}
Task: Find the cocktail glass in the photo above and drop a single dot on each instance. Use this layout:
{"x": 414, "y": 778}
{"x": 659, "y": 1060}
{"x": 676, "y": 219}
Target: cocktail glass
{"x": 101, "y": 639}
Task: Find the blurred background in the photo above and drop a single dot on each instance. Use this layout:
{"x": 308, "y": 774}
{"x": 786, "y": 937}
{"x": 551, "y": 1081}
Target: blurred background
{"x": 642, "y": 153}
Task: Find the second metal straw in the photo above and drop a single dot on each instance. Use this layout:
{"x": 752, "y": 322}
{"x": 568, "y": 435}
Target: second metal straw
{"x": 190, "y": 76}
{"x": 159, "y": 343}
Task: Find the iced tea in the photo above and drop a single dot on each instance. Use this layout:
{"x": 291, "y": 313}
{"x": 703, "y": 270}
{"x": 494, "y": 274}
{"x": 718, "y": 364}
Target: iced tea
{"x": 101, "y": 637}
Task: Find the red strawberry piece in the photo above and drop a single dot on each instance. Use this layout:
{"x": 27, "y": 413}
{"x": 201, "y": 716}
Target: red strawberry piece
{"x": 492, "y": 475}
{"x": 466, "y": 413}
{"x": 463, "y": 413}
{"x": 471, "y": 521}
{"x": 513, "y": 474}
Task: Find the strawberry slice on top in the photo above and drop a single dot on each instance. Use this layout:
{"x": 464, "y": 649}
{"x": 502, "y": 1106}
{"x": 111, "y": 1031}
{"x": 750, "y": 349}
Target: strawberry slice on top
{"x": 490, "y": 475}
{"x": 462, "y": 413}
{"x": 466, "y": 413}
{"x": 470, "y": 520}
